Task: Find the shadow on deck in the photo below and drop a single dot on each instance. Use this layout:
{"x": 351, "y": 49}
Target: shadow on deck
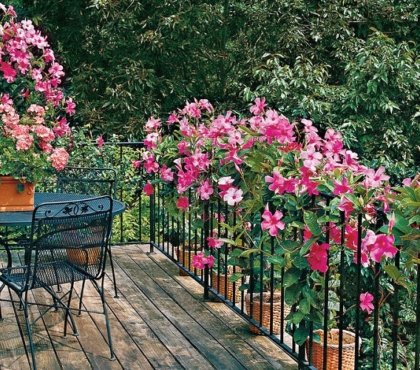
{"x": 159, "y": 322}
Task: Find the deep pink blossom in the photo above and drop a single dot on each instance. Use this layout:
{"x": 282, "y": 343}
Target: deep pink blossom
{"x": 182, "y": 203}
{"x": 214, "y": 242}
{"x": 258, "y": 107}
{"x": 366, "y": 302}
{"x": 200, "y": 261}
{"x": 148, "y": 189}
{"x": 318, "y": 257}
{"x": 100, "y": 141}
{"x": 272, "y": 221}
{"x": 383, "y": 247}
{"x": 342, "y": 187}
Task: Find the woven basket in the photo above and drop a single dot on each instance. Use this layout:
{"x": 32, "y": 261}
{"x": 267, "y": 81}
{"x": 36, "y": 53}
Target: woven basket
{"x": 219, "y": 283}
{"x": 256, "y": 309}
{"x": 185, "y": 257}
{"x": 85, "y": 257}
{"x": 349, "y": 345}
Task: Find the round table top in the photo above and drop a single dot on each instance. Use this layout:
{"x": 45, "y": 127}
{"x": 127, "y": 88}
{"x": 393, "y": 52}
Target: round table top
{"x": 24, "y": 218}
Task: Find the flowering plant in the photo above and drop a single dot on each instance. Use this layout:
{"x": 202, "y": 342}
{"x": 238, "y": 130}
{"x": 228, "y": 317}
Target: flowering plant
{"x": 293, "y": 202}
{"x": 33, "y": 109}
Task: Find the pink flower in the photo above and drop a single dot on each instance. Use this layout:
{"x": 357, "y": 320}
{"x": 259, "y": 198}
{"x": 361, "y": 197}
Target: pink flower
{"x": 205, "y": 190}
{"x": 59, "y": 158}
{"x": 233, "y": 196}
{"x": 70, "y": 106}
{"x": 342, "y": 187}
{"x": 375, "y": 179}
{"x": 258, "y": 107}
{"x": 366, "y": 300}
{"x": 182, "y": 203}
{"x": 9, "y": 72}
{"x": 346, "y": 206}
{"x": 100, "y": 141}
{"x": 214, "y": 243}
{"x": 311, "y": 158}
{"x": 136, "y": 164}
{"x": 166, "y": 174}
{"x": 150, "y": 165}
{"x": 272, "y": 221}
{"x": 200, "y": 261}
{"x": 148, "y": 189}
{"x": 279, "y": 184}
{"x": 318, "y": 257}
{"x": 383, "y": 247}
{"x": 152, "y": 124}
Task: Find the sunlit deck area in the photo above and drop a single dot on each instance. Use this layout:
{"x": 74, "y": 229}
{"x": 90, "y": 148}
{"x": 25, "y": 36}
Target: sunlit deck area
{"x": 159, "y": 321}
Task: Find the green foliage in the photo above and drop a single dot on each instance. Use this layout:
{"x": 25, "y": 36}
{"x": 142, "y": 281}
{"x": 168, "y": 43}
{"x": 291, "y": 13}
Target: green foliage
{"x": 347, "y": 65}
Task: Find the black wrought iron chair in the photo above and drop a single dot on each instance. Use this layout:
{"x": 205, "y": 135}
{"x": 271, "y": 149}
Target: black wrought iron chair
{"x": 68, "y": 243}
{"x": 91, "y": 181}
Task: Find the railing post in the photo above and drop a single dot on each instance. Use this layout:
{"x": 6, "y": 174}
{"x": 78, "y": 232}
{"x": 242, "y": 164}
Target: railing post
{"x": 152, "y": 221}
{"x": 206, "y": 248}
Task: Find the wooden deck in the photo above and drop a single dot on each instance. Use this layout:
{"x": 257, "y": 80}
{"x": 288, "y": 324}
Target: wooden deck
{"x": 159, "y": 322}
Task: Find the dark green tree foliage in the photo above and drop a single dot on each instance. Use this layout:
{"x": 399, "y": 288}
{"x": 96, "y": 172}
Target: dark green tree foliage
{"x": 351, "y": 65}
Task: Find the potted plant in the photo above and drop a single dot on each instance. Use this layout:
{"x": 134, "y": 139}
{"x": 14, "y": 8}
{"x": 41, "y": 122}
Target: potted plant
{"x": 34, "y": 112}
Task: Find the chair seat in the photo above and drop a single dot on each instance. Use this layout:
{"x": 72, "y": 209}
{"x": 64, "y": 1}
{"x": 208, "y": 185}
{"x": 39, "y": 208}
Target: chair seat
{"x": 47, "y": 274}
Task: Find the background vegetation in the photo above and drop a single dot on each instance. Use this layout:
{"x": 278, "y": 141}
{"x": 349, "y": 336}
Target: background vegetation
{"x": 351, "y": 65}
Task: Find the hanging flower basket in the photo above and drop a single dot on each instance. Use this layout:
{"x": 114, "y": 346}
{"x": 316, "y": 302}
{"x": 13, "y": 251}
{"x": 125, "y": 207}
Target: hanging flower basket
{"x": 16, "y": 195}
{"x": 349, "y": 345}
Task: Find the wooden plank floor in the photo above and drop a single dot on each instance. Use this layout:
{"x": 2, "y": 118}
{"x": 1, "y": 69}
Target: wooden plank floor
{"x": 159, "y": 322}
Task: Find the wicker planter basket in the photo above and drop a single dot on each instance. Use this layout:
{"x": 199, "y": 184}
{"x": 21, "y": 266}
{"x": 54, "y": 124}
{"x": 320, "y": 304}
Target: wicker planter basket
{"x": 85, "y": 257}
{"x": 256, "y": 309}
{"x": 219, "y": 283}
{"x": 349, "y": 345}
{"x": 185, "y": 256}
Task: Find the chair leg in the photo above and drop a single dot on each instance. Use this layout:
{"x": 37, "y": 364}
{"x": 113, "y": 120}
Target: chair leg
{"x": 113, "y": 272}
{"x": 28, "y": 328}
{"x": 68, "y": 313}
{"x": 108, "y": 327}
{"x": 81, "y": 296}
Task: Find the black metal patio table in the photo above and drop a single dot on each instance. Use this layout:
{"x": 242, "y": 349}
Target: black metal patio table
{"x": 24, "y": 218}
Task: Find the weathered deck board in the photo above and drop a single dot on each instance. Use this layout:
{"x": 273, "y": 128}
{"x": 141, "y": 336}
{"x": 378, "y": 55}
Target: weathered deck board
{"x": 159, "y": 322}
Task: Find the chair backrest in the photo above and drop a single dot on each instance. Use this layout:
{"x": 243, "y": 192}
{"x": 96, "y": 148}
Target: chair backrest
{"x": 69, "y": 241}
{"x": 90, "y": 181}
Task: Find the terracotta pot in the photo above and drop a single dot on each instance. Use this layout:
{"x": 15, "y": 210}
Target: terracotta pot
{"x": 185, "y": 257}
{"x": 219, "y": 284}
{"x": 349, "y": 346}
{"x": 13, "y": 198}
{"x": 266, "y": 304}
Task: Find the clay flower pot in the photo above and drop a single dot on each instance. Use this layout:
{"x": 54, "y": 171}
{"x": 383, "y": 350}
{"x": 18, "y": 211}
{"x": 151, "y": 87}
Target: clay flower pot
{"x": 16, "y": 195}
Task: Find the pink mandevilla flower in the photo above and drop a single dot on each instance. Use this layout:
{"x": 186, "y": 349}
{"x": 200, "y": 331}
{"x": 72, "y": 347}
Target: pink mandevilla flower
{"x": 214, "y": 242}
{"x": 342, "y": 187}
{"x": 233, "y": 196}
{"x": 200, "y": 261}
{"x": 182, "y": 203}
{"x": 148, "y": 189}
{"x": 318, "y": 257}
{"x": 205, "y": 190}
{"x": 365, "y": 302}
{"x": 272, "y": 221}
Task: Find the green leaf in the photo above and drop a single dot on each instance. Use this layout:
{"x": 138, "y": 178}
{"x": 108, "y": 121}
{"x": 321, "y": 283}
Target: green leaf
{"x": 248, "y": 252}
{"x": 304, "y": 306}
{"x": 276, "y": 260}
{"x": 310, "y": 219}
{"x": 307, "y": 245}
{"x": 291, "y": 277}
{"x": 300, "y": 335}
{"x": 235, "y": 277}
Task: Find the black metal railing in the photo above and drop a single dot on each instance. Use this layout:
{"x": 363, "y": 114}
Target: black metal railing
{"x": 389, "y": 337}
